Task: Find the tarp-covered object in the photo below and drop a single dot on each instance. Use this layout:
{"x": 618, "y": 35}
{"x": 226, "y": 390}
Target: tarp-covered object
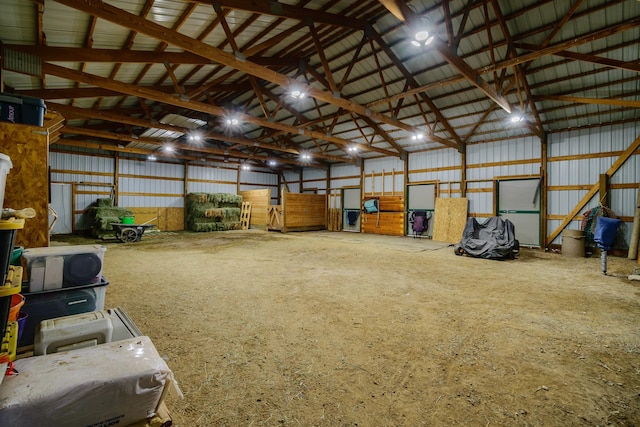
{"x": 493, "y": 239}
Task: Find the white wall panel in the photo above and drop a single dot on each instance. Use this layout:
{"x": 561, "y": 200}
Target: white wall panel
{"x": 447, "y": 160}
{"x": 387, "y": 166}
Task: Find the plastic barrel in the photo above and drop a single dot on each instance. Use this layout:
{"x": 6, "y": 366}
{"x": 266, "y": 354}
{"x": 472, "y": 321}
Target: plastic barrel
{"x": 573, "y": 243}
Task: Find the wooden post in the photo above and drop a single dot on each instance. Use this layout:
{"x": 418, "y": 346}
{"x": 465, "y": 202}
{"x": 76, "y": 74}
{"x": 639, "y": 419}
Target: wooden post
{"x": 604, "y": 190}
{"x": 543, "y": 193}
{"x": 116, "y": 178}
{"x": 382, "y": 192}
{"x": 393, "y": 181}
{"x": 635, "y": 231}
{"x": 463, "y": 173}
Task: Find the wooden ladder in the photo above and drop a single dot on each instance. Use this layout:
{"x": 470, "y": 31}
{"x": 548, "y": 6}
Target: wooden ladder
{"x": 245, "y": 214}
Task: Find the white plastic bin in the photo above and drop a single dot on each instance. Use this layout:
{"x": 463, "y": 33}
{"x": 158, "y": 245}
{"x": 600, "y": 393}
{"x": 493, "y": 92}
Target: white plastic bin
{"x": 57, "y": 267}
{"x": 5, "y": 165}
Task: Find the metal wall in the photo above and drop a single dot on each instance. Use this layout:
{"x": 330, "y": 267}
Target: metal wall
{"x": 207, "y": 179}
{"x": 314, "y": 180}
{"x": 93, "y": 177}
{"x": 578, "y": 159}
{"x": 150, "y": 184}
{"x": 502, "y": 159}
{"x": 383, "y": 175}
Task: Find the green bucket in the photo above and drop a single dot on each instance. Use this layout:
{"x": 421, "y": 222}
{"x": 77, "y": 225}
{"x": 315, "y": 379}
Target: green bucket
{"x": 128, "y": 219}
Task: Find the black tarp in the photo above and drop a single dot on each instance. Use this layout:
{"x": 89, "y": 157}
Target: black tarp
{"x": 493, "y": 239}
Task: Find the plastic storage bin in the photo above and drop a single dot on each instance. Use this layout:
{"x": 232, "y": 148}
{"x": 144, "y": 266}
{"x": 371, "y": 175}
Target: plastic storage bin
{"x": 58, "y": 267}
{"x": 59, "y": 303}
{"x": 5, "y": 166}
{"x": 22, "y": 109}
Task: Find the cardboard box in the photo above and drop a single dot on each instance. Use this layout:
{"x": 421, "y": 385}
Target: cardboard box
{"x": 117, "y": 383}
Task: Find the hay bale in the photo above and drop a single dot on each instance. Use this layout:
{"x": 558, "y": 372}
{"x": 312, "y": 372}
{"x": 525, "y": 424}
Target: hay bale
{"x": 197, "y": 198}
{"x": 104, "y": 203}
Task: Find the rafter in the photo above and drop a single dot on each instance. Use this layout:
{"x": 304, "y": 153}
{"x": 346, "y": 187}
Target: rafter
{"x": 121, "y": 17}
{"x": 139, "y": 91}
{"x": 413, "y": 20}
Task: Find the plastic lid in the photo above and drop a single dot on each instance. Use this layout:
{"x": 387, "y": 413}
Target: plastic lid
{"x": 5, "y": 158}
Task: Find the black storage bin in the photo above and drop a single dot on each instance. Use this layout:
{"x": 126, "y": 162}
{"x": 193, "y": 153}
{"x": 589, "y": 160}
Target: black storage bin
{"x": 45, "y": 305}
{"x": 22, "y": 109}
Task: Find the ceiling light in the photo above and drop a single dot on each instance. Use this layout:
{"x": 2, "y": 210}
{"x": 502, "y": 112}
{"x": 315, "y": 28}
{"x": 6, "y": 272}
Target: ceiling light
{"x": 151, "y": 158}
{"x": 352, "y": 149}
{"x": 305, "y": 156}
{"x": 516, "y": 118}
{"x": 194, "y": 137}
{"x": 246, "y": 167}
{"x": 417, "y": 136}
{"x": 297, "y": 94}
{"x": 272, "y": 163}
{"x": 168, "y": 148}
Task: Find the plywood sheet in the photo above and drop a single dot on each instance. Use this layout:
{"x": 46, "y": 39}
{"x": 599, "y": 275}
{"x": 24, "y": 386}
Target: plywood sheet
{"x": 260, "y": 202}
{"x": 449, "y": 219}
{"x": 27, "y": 183}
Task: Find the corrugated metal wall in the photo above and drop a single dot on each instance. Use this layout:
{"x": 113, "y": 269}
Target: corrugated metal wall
{"x": 502, "y": 159}
{"x": 575, "y": 162}
{"x": 384, "y": 175}
{"x": 150, "y": 184}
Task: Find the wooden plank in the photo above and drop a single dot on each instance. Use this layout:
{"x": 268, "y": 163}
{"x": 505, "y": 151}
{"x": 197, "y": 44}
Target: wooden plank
{"x": 305, "y": 210}
{"x": 27, "y": 184}
{"x": 260, "y": 203}
{"x": 387, "y": 223}
{"x": 245, "y": 215}
{"x": 449, "y": 219}
{"x": 274, "y": 220}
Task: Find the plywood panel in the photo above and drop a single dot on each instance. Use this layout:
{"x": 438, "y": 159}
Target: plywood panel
{"x": 305, "y": 211}
{"x": 27, "y": 184}
{"x": 449, "y": 219}
{"x": 260, "y": 202}
{"x": 165, "y": 219}
{"x": 173, "y": 220}
{"x": 387, "y": 223}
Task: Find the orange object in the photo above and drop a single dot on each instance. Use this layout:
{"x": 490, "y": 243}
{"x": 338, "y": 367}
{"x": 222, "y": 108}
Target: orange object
{"x": 17, "y": 301}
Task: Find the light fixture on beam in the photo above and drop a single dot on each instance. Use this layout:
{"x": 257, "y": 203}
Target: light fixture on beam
{"x": 418, "y": 136}
{"x": 297, "y": 94}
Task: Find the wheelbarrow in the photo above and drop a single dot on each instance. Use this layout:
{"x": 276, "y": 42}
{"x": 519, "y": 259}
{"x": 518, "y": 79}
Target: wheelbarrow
{"x": 128, "y": 233}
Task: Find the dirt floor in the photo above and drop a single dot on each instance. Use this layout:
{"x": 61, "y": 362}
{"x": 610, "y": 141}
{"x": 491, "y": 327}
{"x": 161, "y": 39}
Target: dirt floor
{"x": 345, "y": 329}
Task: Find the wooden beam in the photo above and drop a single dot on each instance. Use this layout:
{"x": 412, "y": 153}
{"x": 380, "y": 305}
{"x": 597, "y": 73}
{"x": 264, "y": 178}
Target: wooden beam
{"x": 146, "y": 93}
{"x": 577, "y": 41}
{"x": 580, "y": 100}
{"x": 142, "y": 25}
{"x": 448, "y": 54}
{"x": 594, "y": 189}
{"x": 594, "y": 59}
{"x": 275, "y": 8}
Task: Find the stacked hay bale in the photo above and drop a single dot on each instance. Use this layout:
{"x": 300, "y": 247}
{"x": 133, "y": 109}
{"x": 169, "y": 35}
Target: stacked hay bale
{"x": 213, "y": 212}
{"x": 103, "y": 214}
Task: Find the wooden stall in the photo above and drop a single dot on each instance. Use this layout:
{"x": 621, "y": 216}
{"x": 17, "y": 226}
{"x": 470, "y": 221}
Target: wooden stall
{"x": 27, "y": 184}
{"x": 299, "y": 212}
{"x": 390, "y": 218}
{"x": 260, "y": 203}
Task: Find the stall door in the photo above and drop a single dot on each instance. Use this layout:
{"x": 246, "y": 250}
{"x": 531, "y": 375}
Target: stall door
{"x": 420, "y": 198}
{"x": 351, "y": 209}
{"x": 519, "y": 201}
{"x": 61, "y": 204}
